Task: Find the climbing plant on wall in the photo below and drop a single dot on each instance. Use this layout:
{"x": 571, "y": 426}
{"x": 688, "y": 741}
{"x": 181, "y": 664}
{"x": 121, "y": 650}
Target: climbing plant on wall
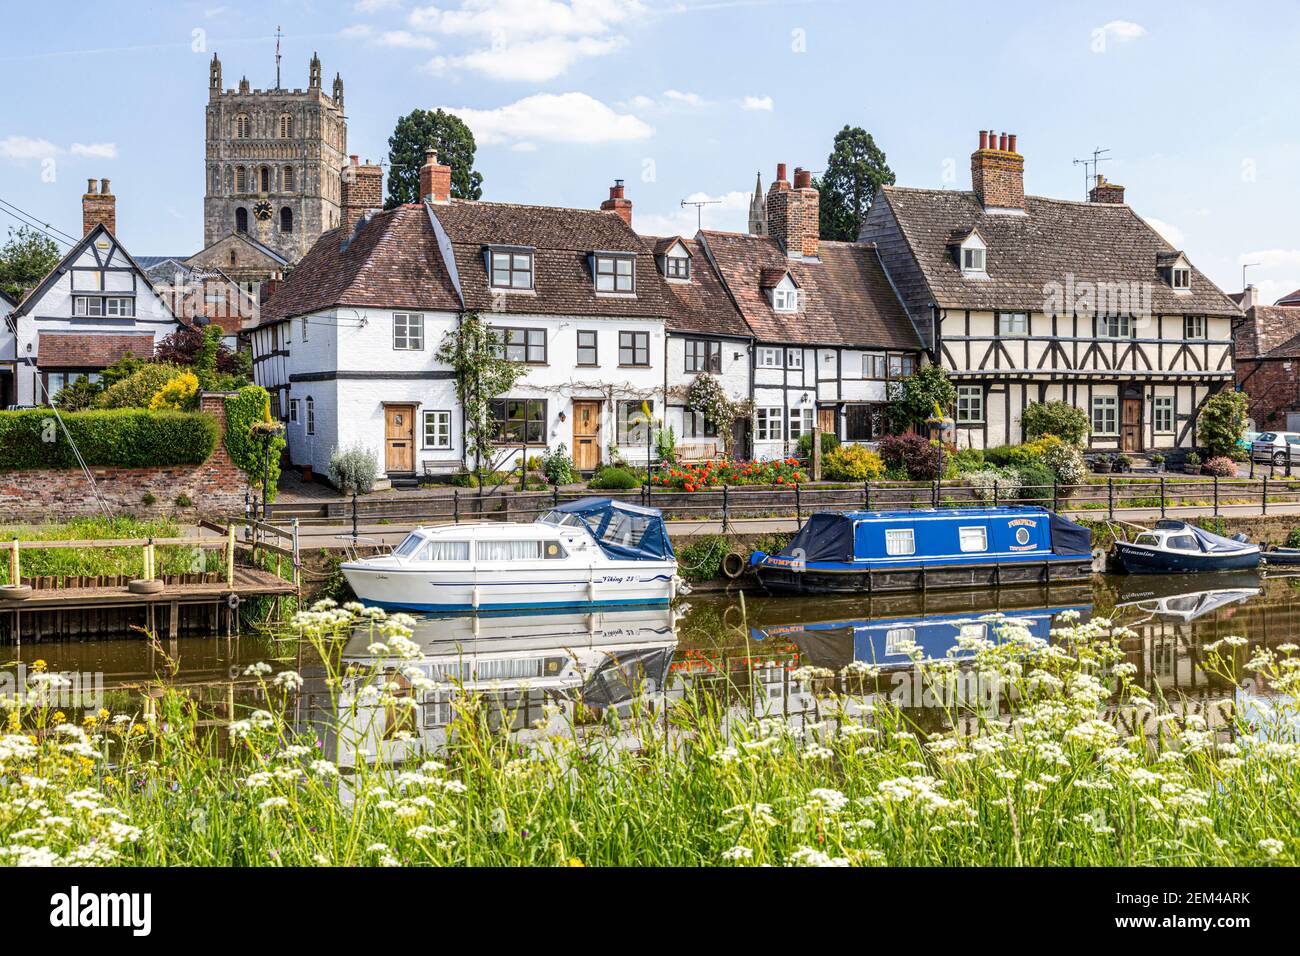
{"x": 248, "y": 425}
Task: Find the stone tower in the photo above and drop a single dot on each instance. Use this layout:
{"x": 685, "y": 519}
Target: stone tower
{"x": 273, "y": 163}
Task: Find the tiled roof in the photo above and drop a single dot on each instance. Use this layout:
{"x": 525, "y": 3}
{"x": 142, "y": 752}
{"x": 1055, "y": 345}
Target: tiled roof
{"x": 1291, "y": 298}
{"x": 1056, "y": 240}
{"x": 563, "y": 240}
{"x": 848, "y": 299}
{"x": 702, "y": 304}
{"x": 89, "y": 349}
{"x": 392, "y": 262}
{"x": 1268, "y": 331}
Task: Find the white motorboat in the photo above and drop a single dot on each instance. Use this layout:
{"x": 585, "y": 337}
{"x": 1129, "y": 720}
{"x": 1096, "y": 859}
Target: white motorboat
{"x": 589, "y": 553}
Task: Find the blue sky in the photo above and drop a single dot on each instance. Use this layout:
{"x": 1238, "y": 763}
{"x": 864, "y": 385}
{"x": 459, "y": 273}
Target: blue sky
{"x": 1194, "y": 101}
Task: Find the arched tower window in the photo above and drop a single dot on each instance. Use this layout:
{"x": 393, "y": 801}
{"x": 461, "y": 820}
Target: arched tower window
{"x": 266, "y": 179}
{"x": 286, "y": 126}
{"x": 241, "y": 219}
{"x": 241, "y": 126}
{"x": 286, "y": 219}
{"x": 241, "y": 180}
{"x": 287, "y": 180}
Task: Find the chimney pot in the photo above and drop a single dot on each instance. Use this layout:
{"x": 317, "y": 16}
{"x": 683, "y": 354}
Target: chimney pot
{"x": 435, "y": 179}
{"x": 618, "y": 203}
{"x": 984, "y": 139}
{"x": 355, "y": 159}
{"x": 1002, "y": 142}
{"x": 103, "y": 187}
{"x": 92, "y": 187}
{"x": 998, "y": 173}
{"x": 1011, "y": 142}
{"x": 780, "y": 172}
{"x": 802, "y": 178}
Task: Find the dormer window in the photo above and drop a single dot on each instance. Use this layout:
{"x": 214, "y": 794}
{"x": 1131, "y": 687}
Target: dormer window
{"x": 971, "y": 252}
{"x": 972, "y": 259}
{"x": 1180, "y": 277}
{"x": 785, "y": 300}
{"x": 1177, "y": 271}
{"x": 511, "y": 268}
{"x": 615, "y": 274}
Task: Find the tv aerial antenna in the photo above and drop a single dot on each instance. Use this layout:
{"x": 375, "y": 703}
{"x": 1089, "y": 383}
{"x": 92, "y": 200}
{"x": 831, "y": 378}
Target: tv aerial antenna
{"x": 1090, "y": 167}
{"x": 699, "y": 205}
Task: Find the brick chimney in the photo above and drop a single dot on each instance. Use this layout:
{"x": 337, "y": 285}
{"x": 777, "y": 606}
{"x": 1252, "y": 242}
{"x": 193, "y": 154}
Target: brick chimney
{"x": 435, "y": 180}
{"x": 98, "y": 205}
{"x": 1106, "y": 191}
{"x": 363, "y": 192}
{"x": 794, "y": 214}
{"x": 997, "y": 172}
{"x": 618, "y": 203}
{"x": 1249, "y": 298}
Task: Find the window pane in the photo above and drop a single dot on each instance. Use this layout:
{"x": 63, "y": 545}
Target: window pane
{"x": 973, "y": 539}
{"x": 899, "y": 541}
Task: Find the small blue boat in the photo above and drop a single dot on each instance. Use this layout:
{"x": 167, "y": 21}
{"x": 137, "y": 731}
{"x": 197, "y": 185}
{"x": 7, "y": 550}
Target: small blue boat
{"x": 869, "y": 551}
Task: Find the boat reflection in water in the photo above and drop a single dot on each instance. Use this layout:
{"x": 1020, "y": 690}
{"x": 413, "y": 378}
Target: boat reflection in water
{"x": 1188, "y": 597}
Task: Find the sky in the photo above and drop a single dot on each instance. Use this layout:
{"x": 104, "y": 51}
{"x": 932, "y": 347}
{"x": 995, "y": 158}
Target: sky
{"x": 1194, "y": 102}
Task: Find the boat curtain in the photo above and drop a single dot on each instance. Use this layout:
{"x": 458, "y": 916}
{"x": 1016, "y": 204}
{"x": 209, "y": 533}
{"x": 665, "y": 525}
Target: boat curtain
{"x": 509, "y": 550}
{"x": 446, "y": 551}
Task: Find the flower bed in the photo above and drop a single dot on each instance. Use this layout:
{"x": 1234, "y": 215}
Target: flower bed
{"x": 706, "y": 474}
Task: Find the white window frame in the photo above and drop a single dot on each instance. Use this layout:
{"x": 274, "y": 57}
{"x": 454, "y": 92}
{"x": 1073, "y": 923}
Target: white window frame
{"x": 970, "y": 404}
{"x": 677, "y": 267}
{"x": 973, "y": 539}
{"x": 900, "y": 542}
{"x": 440, "y": 418}
{"x": 408, "y": 331}
{"x": 801, "y": 422}
{"x": 785, "y": 300}
{"x": 1114, "y": 327}
{"x": 311, "y": 415}
{"x": 1180, "y": 278}
{"x": 611, "y": 276}
{"x": 1162, "y": 405}
{"x": 1194, "y": 327}
{"x": 1108, "y": 405}
{"x": 1012, "y": 324}
{"x": 771, "y": 357}
{"x": 768, "y": 421}
{"x": 293, "y": 411}
{"x": 794, "y": 359}
{"x": 974, "y": 259}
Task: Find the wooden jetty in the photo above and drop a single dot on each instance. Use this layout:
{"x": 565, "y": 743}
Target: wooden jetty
{"x": 207, "y": 602}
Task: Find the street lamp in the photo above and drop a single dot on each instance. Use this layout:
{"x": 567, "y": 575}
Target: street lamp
{"x": 267, "y": 431}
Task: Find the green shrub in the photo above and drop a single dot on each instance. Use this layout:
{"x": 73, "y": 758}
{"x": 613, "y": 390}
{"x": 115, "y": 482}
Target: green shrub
{"x": 557, "y": 466}
{"x": 77, "y": 397}
{"x": 248, "y": 420}
{"x": 148, "y": 500}
{"x": 830, "y": 441}
{"x": 1061, "y": 419}
{"x": 615, "y": 478}
{"x": 353, "y": 468}
{"x": 1036, "y": 482}
{"x": 701, "y": 560}
{"x": 1066, "y": 462}
{"x": 1221, "y": 466}
{"x": 1221, "y": 424}
{"x": 1002, "y": 484}
{"x": 1293, "y": 538}
{"x": 852, "y": 463}
{"x": 183, "y": 501}
{"x": 966, "y": 460}
{"x": 138, "y": 388}
{"x": 126, "y": 438}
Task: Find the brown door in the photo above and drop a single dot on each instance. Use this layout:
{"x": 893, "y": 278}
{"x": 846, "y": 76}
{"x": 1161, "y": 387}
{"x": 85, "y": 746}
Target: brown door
{"x": 827, "y": 421}
{"x": 399, "y": 438}
{"x": 586, "y": 435}
{"x": 1131, "y": 430}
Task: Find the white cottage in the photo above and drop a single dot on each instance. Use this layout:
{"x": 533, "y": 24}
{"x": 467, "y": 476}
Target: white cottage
{"x": 8, "y": 350}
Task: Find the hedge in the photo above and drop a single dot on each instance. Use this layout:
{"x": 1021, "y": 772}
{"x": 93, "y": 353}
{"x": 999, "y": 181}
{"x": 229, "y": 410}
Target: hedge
{"x": 125, "y": 438}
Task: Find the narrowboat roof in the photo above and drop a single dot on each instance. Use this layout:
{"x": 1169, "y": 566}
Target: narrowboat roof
{"x": 929, "y": 514}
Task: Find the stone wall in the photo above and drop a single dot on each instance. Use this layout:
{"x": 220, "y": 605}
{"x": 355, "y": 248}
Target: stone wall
{"x": 214, "y": 489}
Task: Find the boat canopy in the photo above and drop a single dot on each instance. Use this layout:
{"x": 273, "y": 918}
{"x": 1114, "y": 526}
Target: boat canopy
{"x": 1210, "y": 542}
{"x": 624, "y": 532}
{"x": 827, "y": 536}
{"x": 1069, "y": 537}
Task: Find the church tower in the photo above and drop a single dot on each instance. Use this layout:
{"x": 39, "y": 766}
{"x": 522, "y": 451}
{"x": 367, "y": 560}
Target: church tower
{"x": 273, "y": 162}
{"x": 758, "y": 209}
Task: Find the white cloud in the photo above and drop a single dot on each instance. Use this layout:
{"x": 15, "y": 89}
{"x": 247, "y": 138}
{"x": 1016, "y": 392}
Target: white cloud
{"x": 556, "y": 118}
{"x": 407, "y": 40}
{"x": 526, "y": 18}
{"x": 1272, "y": 259}
{"x": 640, "y": 103}
{"x": 375, "y": 6}
{"x": 24, "y": 147}
{"x": 1123, "y": 30}
{"x": 1270, "y": 290}
{"x": 95, "y": 150}
{"x": 729, "y": 212}
{"x": 524, "y": 147}
{"x": 533, "y": 62}
{"x": 689, "y": 99}
{"x": 756, "y": 103}
{"x": 1171, "y": 233}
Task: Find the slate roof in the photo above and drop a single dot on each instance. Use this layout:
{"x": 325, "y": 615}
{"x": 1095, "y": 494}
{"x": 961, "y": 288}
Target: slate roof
{"x": 1058, "y": 238}
{"x": 89, "y": 349}
{"x": 848, "y": 299}
{"x": 6, "y": 297}
{"x": 563, "y": 240}
{"x": 1291, "y": 298}
{"x": 1268, "y": 331}
{"x": 702, "y": 304}
{"x": 391, "y": 262}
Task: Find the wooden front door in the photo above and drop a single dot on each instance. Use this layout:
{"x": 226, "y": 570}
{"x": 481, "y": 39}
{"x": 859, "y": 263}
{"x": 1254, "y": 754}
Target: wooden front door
{"x": 586, "y": 435}
{"x": 828, "y": 421}
{"x": 1131, "y": 429}
{"x": 399, "y": 438}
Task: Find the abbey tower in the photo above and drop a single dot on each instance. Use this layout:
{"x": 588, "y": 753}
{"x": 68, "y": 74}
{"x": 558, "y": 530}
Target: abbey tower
{"x": 273, "y": 162}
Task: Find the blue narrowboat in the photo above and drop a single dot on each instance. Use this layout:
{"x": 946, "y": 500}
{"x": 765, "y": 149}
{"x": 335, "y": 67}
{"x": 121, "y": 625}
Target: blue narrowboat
{"x": 870, "y": 551}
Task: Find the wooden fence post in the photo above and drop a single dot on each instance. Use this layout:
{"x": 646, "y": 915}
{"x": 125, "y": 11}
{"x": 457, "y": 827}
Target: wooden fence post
{"x": 1263, "y": 498}
{"x": 230, "y": 557}
{"x": 15, "y": 564}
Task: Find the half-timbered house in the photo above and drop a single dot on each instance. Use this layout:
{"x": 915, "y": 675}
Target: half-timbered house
{"x": 1027, "y": 299}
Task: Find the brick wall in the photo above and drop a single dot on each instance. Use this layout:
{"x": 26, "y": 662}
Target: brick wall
{"x": 363, "y": 189}
{"x": 794, "y": 215}
{"x": 998, "y": 178}
{"x": 215, "y": 488}
{"x": 1273, "y": 386}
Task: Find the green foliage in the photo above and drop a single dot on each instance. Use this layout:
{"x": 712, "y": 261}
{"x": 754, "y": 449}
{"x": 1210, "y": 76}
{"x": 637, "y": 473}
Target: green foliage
{"x": 473, "y": 350}
{"x": 1066, "y": 462}
{"x": 666, "y": 445}
{"x": 1002, "y": 484}
{"x": 830, "y": 441}
{"x": 1036, "y": 482}
{"x": 127, "y": 438}
{"x": 701, "y": 560}
{"x": 171, "y": 559}
{"x": 852, "y": 463}
{"x": 248, "y": 428}
{"x": 1067, "y": 422}
{"x": 418, "y": 132}
{"x": 77, "y": 397}
{"x": 1220, "y": 466}
{"x": 706, "y": 397}
{"x": 855, "y": 171}
{"x": 914, "y": 455}
{"x": 25, "y": 259}
{"x": 138, "y": 388}
{"x": 966, "y": 460}
{"x": 205, "y": 359}
{"x": 913, "y": 399}
{"x": 615, "y": 478}
{"x": 557, "y": 466}
{"x": 1222, "y": 423}
{"x": 1293, "y": 538}
{"x": 183, "y": 501}
{"x": 354, "y": 468}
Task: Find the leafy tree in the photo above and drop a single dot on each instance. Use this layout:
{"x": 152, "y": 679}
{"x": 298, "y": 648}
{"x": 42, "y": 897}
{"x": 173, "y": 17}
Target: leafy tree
{"x": 474, "y": 351}
{"x": 855, "y": 170}
{"x": 1222, "y": 423}
{"x": 1067, "y": 422}
{"x": 419, "y": 131}
{"x": 26, "y": 259}
{"x": 913, "y": 399}
{"x": 202, "y": 349}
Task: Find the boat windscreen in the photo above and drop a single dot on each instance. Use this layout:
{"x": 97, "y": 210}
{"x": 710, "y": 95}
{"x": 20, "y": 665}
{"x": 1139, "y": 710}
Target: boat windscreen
{"x": 825, "y": 537}
{"x": 410, "y": 544}
{"x": 624, "y": 532}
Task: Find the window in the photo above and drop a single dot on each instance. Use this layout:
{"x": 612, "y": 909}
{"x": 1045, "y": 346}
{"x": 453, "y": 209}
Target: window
{"x": 519, "y": 421}
{"x": 408, "y": 331}
{"x": 973, "y": 539}
{"x": 615, "y": 274}
{"x": 1105, "y": 415}
{"x": 1193, "y": 326}
{"x": 437, "y": 429}
{"x": 899, "y": 640}
{"x": 445, "y": 551}
{"x": 1182, "y": 542}
{"x": 287, "y": 179}
{"x": 286, "y": 219}
{"x": 899, "y": 541}
{"x": 119, "y": 307}
{"x": 303, "y": 328}
{"x": 1013, "y": 323}
{"x": 769, "y": 358}
{"x": 265, "y": 179}
{"x": 970, "y": 403}
{"x": 293, "y": 411}
{"x": 634, "y": 348}
{"x": 1180, "y": 277}
{"x": 873, "y": 365}
{"x": 587, "y": 354}
{"x": 901, "y": 366}
{"x": 633, "y": 428}
{"x": 1162, "y": 413}
{"x": 862, "y": 422}
{"x": 695, "y": 425}
{"x": 512, "y": 269}
{"x": 677, "y": 267}
{"x": 801, "y": 421}
{"x": 767, "y": 424}
{"x": 241, "y": 225}
{"x": 241, "y": 126}
{"x": 96, "y": 306}
{"x": 524, "y": 345}
{"x": 794, "y": 358}
{"x": 1114, "y": 326}
{"x": 785, "y": 300}
{"x": 286, "y": 126}
{"x": 508, "y": 550}
{"x": 972, "y": 259}
{"x": 703, "y": 355}
{"x": 241, "y": 180}
{"x": 311, "y": 415}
